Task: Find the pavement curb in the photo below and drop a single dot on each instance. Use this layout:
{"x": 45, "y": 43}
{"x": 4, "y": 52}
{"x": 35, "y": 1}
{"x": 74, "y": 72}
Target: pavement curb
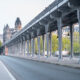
{"x": 61, "y": 62}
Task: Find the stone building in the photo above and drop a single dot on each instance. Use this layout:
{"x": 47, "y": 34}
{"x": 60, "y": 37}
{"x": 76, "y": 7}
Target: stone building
{"x": 18, "y": 24}
{"x": 9, "y": 32}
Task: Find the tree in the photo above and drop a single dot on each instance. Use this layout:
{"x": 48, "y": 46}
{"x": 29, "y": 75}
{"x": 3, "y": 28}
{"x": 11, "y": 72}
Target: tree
{"x": 54, "y": 42}
{"x": 76, "y": 45}
{"x": 66, "y": 43}
{"x": 0, "y": 43}
{"x": 36, "y": 46}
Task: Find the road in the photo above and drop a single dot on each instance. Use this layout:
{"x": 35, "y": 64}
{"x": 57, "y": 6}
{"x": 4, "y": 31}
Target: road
{"x": 23, "y": 69}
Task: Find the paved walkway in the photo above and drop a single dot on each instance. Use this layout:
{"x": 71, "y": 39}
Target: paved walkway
{"x": 4, "y": 73}
{"x": 66, "y": 61}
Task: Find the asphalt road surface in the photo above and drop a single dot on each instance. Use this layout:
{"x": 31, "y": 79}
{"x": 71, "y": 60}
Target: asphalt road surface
{"x": 23, "y": 69}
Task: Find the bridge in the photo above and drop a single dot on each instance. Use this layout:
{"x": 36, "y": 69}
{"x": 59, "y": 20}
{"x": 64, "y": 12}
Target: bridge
{"x": 59, "y": 14}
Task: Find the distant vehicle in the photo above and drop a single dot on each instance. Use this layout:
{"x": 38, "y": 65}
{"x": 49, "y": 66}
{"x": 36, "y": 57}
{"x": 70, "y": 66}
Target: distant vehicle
{"x": 46, "y": 53}
{"x": 64, "y": 53}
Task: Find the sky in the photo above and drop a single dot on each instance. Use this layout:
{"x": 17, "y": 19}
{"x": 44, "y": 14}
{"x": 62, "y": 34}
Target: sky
{"x": 25, "y": 9}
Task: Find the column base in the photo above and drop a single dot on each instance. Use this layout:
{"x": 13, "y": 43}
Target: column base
{"x": 60, "y": 58}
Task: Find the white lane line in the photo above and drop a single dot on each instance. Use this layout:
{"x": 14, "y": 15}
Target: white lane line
{"x": 11, "y": 76}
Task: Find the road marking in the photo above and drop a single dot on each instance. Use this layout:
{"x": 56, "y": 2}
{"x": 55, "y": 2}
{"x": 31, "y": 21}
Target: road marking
{"x": 11, "y": 76}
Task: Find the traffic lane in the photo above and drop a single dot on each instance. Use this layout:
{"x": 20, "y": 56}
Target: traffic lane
{"x": 32, "y": 70}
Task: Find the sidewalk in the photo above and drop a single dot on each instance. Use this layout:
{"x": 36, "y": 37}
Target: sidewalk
{"x": 4, "y": 73}
{"x": 66, "y": 61}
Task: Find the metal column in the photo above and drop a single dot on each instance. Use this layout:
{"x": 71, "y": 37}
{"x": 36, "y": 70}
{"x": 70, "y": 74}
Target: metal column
{"x": 24, "y": 43}
{"x": 78, "y": 16}
{"x": 27, "y": 47}
{"x": 59, "y": 24}
{"x": 21, "y": 47}
{"x": 47, "y": 38}
{"x": 30, "y": 47}
{"x": 38, "y": 45}
{"x": 32, "y": 44}
{"x": 43, "y": 38}
{"x": 16, "y": 48}
{"x": 71, "y": 39}
{"x": 50, "y": 37}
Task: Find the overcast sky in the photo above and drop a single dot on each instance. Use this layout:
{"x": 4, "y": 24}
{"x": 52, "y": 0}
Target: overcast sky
{"x": 25, "y": 9}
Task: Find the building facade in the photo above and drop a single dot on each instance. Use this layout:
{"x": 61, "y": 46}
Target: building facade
{"x": 9, "y": 32}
